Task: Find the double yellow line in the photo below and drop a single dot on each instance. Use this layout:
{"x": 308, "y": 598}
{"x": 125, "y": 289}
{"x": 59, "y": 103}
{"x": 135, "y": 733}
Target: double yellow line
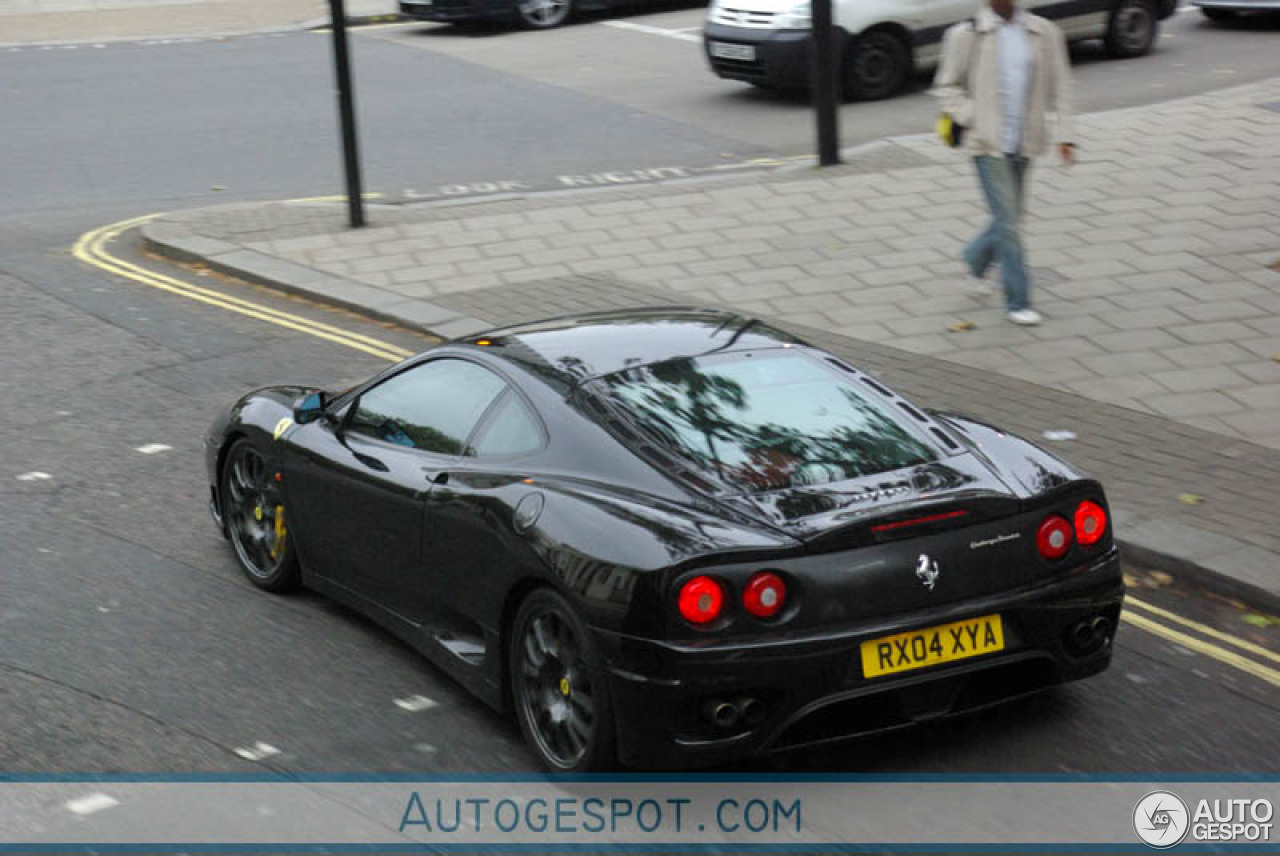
{"x": 92, "y": 249}
{"x": 1144, "y": 619}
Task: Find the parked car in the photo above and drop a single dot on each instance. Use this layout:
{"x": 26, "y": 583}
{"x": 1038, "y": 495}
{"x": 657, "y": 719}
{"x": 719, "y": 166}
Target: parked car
{"x": 880, "y": 42}
{"x": 534, "y": 14}
{"x": 1226, "y": 10}
{"x": 675, "y": 537}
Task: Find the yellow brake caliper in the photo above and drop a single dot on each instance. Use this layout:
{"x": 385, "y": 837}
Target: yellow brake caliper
{"x": 281, "y": 533}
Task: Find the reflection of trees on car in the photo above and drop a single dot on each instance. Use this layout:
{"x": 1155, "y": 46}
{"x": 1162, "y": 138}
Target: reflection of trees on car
{"x": 705, "y": 416}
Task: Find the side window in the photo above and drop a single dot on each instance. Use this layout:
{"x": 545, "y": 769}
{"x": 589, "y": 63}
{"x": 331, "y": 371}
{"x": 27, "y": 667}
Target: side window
{"x": 510, "y": 430}
{"x": 433, "y": 406}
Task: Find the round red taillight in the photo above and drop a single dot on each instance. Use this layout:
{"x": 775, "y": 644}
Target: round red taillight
{"x": 765, "y": 595}
{"x": 1053, "y": 539}
{"x": 1091, "y": 522}
{"x": 701, "y": 599}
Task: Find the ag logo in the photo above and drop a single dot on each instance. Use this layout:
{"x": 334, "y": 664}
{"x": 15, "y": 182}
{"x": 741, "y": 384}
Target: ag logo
{"x": 927, "y": 571}
{"x": 1161, "y": 819}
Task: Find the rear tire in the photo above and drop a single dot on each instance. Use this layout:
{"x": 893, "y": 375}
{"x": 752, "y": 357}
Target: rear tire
{"x": 253, "y": 511}
{"x": 876, "y": 66}
{"x": 542, "y": 14}
{"x": 1132, "y": 29}
{"x": 1217, "y": 14}
{"x": 559, "y": 687}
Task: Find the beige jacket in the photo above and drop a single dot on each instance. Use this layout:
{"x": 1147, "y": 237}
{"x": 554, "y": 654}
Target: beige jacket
{"x": 970, "y": 92}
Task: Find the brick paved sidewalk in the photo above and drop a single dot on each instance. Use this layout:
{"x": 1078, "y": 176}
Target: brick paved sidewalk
{"x": 1151, "y": 261}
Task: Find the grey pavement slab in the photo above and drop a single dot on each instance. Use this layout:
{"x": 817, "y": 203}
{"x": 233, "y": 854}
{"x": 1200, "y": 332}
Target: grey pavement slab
{"x": 1161, "y": 349}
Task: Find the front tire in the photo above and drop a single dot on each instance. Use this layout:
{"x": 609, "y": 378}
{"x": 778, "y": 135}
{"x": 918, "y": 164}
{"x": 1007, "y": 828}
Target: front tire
{"x": 254, "y": 513}
{"x": 1132, "y": 29}
{"x": 543, "y": 14}
{"x": 876, "y": 66}
{"x": 559, "y": 687}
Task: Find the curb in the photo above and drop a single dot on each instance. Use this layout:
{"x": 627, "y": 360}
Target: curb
{"x": 250, "y": 266}
{"x": 1225, "y": 564}
{"x": 356, "y": 21}
{"x": 272, "y": 30}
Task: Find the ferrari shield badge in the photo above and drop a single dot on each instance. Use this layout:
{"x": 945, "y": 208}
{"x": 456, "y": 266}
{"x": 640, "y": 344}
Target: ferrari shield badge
{"x": 282, "y": 426}
{"x": 927, "y": 571}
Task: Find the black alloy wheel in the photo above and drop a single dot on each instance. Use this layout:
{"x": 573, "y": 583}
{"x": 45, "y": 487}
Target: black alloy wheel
{"x": 543, "y": 14}
{"x": 254, "y": 513}
{"x": 1132, "y": 29}
{"x": 559, "y": 687}
{"x": 876, "y": 66}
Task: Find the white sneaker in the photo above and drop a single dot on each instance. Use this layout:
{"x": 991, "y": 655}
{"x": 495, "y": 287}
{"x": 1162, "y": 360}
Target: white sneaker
{"x": 1024, "y": 317}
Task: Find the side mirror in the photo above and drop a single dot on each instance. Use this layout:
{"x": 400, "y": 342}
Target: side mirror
{"x": 309, "y": 408}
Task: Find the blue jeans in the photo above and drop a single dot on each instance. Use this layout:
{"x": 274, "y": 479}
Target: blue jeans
{"x": 1003, "y": 179}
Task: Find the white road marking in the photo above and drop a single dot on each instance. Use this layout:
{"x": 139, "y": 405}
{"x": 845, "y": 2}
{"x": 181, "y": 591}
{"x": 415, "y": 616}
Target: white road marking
{"x": 153, "y": 448}
{"x": 653, "y": 31}
{"x": 257, "y": 751}
{"x": 1059, "y": 435}
{"x": 92, "y": 803}
{"x": 34, "y": 475}
{"x": 416, "y": 703}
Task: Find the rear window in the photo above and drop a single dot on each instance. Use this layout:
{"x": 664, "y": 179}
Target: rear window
{"x": 763, "y": 420}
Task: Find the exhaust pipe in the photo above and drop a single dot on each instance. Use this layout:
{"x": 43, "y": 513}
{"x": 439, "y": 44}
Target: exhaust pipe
{"x": 751, "y": 710}
{"x": 721, "y": 713}
{"x": 1088, "y": 636}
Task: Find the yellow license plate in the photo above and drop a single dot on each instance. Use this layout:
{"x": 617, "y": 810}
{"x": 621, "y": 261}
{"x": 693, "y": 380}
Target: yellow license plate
{"x": 959, "y": 640}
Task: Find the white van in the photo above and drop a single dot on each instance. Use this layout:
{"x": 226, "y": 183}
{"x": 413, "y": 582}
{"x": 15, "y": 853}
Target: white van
{"x": 880, "y": 42}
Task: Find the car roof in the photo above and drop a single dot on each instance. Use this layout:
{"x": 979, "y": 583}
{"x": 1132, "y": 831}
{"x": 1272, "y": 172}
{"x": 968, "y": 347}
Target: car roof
{"x": 574, "y": 348}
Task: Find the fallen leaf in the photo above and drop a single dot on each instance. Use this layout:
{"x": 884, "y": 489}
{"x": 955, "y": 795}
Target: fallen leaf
{"x": 1260, "y": 620}
{"x": 1190, "y": 498}
{"x": 1130, "y": 580}
{"x": 961, "y": 326}
{"x": 1161, "y": 578}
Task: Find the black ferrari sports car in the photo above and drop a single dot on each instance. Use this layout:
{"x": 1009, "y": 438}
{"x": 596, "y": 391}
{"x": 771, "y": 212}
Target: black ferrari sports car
{"x": 674, "y": 537}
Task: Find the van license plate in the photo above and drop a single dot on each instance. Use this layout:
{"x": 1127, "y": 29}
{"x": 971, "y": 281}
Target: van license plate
{"x": 932, "y": 645}
{"x": 726, "y": 50}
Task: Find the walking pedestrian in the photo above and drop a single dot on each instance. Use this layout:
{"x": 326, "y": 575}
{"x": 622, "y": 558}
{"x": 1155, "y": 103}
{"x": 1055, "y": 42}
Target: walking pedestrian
{"x": 1001, "y": 75}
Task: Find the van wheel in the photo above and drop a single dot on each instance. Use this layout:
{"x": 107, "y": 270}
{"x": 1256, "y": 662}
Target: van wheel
{"x": 1132, "y": 29}
{"x": 876, "y": 66}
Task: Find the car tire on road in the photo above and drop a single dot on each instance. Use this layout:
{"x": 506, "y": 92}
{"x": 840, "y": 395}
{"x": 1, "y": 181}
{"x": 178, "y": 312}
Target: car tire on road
{"x": 559, "y": 687}
{"x": 1132, "y": 29}
{"x": 543, "y": 14}
{"x": 876, "y": 66}
{"x": 255, "y": 519}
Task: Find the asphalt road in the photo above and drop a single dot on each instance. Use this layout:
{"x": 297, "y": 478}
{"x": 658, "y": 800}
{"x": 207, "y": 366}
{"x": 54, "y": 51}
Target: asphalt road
{"x": 128, "y": 639}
